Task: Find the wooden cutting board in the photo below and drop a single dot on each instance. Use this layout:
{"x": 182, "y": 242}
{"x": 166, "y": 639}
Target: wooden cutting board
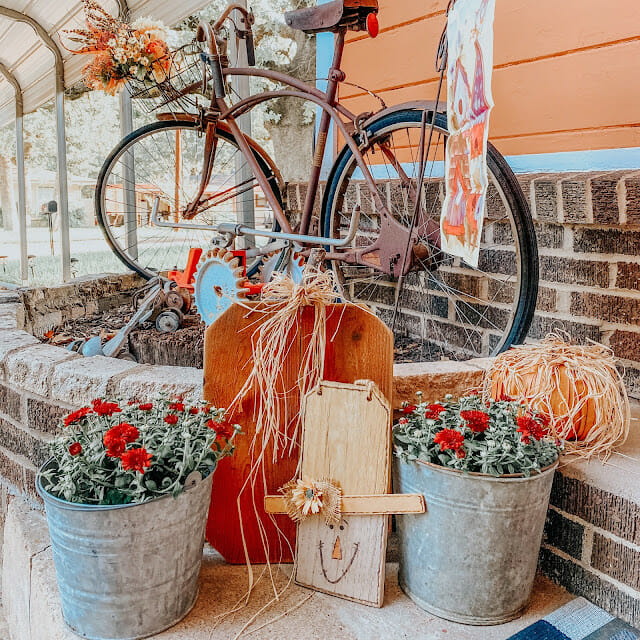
{"x": 359, "y": 346}
{"x": 346, "y": 439}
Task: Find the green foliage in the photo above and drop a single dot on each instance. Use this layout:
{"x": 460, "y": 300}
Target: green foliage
{"x": 509, "y": 440}
{"x": 88, "y": 471}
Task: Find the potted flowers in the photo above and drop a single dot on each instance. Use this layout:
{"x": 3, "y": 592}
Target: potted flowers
{"x": 486, "y": 471}
{"x": 127, "y": 492}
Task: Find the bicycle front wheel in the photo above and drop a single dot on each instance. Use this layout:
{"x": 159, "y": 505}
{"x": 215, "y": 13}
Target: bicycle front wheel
{"x": 158, "y": 168}
{"x": 451, "y": 310}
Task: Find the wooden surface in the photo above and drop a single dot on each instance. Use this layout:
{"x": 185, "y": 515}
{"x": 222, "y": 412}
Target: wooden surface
{"x": 358, "y": 346}
{"x": 372, "y": 505}
{"x": 561, "y": 77}
{"x": 346, "y": 439}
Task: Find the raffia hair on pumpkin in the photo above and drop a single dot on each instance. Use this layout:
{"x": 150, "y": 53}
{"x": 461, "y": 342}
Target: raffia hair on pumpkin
{"x": 578, "y": 388}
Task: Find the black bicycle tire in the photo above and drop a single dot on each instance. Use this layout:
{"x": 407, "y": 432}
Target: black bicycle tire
{"x": 529, "y": 268}
{"x": 115, "y": 153}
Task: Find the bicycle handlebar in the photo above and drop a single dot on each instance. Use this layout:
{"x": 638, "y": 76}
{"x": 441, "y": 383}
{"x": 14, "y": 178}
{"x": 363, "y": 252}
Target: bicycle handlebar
{"x": 249, "y": 18}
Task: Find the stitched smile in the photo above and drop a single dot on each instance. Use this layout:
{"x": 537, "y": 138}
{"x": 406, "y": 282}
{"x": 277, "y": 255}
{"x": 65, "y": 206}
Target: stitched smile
{"x": 344, "y": 573}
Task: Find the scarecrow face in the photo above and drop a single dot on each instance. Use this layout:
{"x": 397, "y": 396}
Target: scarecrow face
{"x": 337, "y": 558}
{"x": 340, "y": 559}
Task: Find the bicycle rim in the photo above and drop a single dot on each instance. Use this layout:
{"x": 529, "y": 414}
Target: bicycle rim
{"x": 158, "y": 166}
{"x": 453, "y": 311}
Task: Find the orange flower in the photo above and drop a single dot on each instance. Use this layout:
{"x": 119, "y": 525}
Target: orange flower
{"x": 156, "y": 49}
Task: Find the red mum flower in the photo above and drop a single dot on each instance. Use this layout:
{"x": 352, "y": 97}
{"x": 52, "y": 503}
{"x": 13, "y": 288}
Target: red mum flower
{"x": 76, "y": 416}
{"x": 433, "y": 411}
{"x": 176, "y": 406}
{"x": 544, "y": 419}
{"x": 403, "y": 421}
{"x": 123, "y": 431}
{"x": 528, "y": 427}
{"x": 116, "y": 448}
{"x": 75, "y": 448}
{"x": 461, "y": 453}
{"x": 477, "y": 421}
{"x": 136, "y": 460}
{"x": 172, "y": 418}
{"x": 449, "y": 439}
{"x": 194, "y": 411}
{"x": 410, "y": 408}
{"x": 223, "y": 429}
{"x": 103, "y": 408}
{"x": 147, "y": 406}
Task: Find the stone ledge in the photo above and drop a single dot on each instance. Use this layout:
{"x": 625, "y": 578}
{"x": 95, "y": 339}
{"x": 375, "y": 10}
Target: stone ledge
{"x": 436, "y": 379}
{"x": 82, "y": 379}
{"x": 31, "y": 368}
{"x": 25, "y": 536}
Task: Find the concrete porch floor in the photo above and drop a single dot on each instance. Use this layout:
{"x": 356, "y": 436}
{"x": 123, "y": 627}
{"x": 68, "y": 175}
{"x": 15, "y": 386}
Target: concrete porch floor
{"x": 301, "y": 614}
{"x": 316, "y": 616}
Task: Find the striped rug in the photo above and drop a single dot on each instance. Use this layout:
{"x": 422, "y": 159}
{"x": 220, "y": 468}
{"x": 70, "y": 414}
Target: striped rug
{"x": 578, "y": 620}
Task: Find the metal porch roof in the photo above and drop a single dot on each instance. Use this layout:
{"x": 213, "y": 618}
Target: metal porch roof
{"x": 27, "y": 57}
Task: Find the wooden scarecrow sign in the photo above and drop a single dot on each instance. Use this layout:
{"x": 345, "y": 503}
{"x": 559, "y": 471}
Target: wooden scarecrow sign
{"x": 341, "y": 500}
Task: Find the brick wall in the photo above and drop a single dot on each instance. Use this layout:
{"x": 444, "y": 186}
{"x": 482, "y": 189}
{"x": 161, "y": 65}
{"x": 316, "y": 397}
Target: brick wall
{"x": 588, "y": 230}
{"x": 592, "y": 546}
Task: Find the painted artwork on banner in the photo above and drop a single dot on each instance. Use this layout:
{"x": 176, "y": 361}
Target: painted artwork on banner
{"x": 469, "y": 68}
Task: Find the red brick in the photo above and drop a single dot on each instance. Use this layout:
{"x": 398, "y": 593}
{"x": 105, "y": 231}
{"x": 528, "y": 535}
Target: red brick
{"x": 616, "y": 560}
{"x": 571, "y": 271}
{"x": 628, "y": 276}
{"x": 606, "y": 241}
{"x": 626, "y": 344}
{"x": 604, "y": 199}
{"x": 609, "y": 308}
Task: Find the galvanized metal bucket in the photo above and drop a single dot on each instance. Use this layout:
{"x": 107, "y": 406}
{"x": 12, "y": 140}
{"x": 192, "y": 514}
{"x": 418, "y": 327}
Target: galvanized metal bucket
{"x": 472, "y": 556}
{"x": 127, "y": 571}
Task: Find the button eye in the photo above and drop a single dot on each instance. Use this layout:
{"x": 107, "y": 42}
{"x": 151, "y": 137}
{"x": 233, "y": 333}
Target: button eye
{"x": 330, "y": 526}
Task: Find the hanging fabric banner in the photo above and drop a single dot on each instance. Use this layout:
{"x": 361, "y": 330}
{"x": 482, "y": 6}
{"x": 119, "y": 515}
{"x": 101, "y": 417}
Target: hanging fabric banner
{"x": 469, "y": 103}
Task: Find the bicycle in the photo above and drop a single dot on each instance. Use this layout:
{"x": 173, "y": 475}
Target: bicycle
{"x": 379, "y": 218}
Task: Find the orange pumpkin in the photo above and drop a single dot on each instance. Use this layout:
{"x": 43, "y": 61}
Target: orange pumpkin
{"x": 558, "y": 402}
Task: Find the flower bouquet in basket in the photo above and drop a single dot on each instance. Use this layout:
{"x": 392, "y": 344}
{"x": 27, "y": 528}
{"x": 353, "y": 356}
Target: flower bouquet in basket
{"x": 127, "y": 493}
{"x": 486, "y": 470}
{"x": 121, "y": 51}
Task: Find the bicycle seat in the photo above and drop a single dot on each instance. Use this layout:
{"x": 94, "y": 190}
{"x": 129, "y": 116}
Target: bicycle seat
{"x": 332, "y": 16}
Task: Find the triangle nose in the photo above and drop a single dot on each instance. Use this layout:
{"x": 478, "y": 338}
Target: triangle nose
{"x": 337, "y": 551}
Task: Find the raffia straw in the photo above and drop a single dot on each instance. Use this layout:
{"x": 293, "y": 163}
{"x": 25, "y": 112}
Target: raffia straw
{"x": 590, "y": 365}
{"x": 285, "y": 299}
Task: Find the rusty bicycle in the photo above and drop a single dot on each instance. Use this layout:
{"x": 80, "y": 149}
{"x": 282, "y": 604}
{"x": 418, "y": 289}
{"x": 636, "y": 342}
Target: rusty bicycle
{"x": 184, "y": 181}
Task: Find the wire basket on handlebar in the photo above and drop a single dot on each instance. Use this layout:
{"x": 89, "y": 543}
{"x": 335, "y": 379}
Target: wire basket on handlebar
{"x": 178, "y": 87}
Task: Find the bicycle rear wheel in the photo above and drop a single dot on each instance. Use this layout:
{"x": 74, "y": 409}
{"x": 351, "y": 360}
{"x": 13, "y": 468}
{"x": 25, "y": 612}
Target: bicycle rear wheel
{"x": 453, "y": 311}
{"x": 159, "y": 166}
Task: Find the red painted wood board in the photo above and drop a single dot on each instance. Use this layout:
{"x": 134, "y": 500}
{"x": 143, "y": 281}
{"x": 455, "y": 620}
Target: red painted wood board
{"x": 359, "y": 346}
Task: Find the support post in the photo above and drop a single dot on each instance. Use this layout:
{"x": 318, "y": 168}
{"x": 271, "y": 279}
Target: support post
{"x": 241, "y": 86}
{"x": 22, "y": 206}
{"x": 22, "y": 201}
{"x": 129, "y": 177}
{"x": 63, "y": 194}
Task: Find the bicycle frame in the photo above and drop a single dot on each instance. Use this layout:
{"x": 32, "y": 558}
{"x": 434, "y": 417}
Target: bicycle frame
{"x": 393, "y": 239}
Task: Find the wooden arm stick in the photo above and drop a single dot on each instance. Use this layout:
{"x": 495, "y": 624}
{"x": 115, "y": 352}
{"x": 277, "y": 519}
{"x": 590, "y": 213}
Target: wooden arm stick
{"x": 380, "y": 505}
